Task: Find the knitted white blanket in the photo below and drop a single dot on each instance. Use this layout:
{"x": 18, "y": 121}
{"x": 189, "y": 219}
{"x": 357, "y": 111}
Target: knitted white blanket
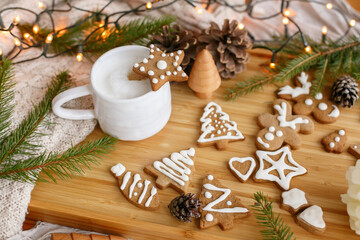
{"x": 32, "y": 77}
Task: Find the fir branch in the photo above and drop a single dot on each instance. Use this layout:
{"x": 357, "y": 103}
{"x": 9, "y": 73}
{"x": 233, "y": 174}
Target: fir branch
{"x": 319, "y": 79}
{"x": 64, "y": 166}
{"x": 276, "y": 228}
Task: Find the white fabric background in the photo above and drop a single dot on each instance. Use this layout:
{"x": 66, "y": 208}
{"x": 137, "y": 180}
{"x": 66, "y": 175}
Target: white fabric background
{"x": 32, "y": 77}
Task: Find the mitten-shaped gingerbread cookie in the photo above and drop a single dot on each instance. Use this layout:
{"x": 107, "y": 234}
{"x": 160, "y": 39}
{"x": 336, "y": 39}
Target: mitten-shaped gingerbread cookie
{"x": 141, "y": 193}
{"x": 335, "y": 142}
{"x": 217, "y": 129}
{"x": 174, "y": 171}
{"x": 282, "y": 127}
{"x": 220, "y": 206}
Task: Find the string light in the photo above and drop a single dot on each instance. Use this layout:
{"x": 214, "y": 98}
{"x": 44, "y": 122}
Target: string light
{"x": 17, "y": 42}
{"x": 329, "y": 6}
{"x": 352, "y": 22}
{"x": 324, "y": 30}
{"x": 79, "y": 57}
{"x": 36, "y": 28}
{"x": 148, "y": 5}
{"x": 199, "y": 10}
{"x": 60, "y": 33}
{"x": 49, "y": 38}
{"x": 1, "y": 52}
{"x": 26, "y": 36}
{"x": 285, "y": 21}
{"x": 308, "y": 49}
{"x": 16, "y": 20}
{"x": 241, "y": 26}
{"x": 41, "y": 5}
{"x": 287, "y": 12}
{"x": 272, "y": 65}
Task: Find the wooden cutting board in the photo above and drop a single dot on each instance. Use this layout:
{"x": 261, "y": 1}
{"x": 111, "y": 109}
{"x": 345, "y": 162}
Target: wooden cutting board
{"x": 94, "y": 202}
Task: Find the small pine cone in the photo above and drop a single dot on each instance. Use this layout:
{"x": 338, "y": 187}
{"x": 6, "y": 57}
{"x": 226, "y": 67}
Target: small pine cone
{"x": 227, "y": 46}
{"x": 184, "y": 207}
{"x": 345, "y": 91}
{"x": 180, "y": 39}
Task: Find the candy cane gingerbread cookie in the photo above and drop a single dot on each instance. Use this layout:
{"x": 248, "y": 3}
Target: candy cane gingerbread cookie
{"x": 282, "y": 127}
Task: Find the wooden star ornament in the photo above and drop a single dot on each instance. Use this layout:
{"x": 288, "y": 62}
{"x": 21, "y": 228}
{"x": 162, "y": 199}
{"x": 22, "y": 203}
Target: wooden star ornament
{"x": 161, "y": 67}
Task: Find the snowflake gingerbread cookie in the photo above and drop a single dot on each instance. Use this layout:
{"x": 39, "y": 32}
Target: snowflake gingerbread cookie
{"x": 321, "y": 109}
{"x": 217, "y": 128}
{"x": 175, "y": 171}
{"x": 141, "y": 193}
{"x": 278, "y": 167}
{"x": 220, "y": 206}
{"x": 161, "y": 67}
{"x": 282, "y": 127}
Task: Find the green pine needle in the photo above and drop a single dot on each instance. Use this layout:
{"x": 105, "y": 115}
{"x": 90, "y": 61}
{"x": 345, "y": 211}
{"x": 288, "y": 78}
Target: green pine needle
{"x": 276, "y": 228}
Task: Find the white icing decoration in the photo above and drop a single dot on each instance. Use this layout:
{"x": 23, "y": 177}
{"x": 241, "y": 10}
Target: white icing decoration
{"x": 152, "y": 194}
{"x": 161, "y": 65}
{"x": 136, "y": 65}
{"x": 177, "y": 58}
{"x": 210, "y": 177}
{"x": 151, "y": 73}
{"x": 174, "y": 72}
{"x": 179, "y": 68}
{"x": 118, "y": 169}
{"x": 308, "y": 101}
{"x": 355, "y": 147}
{"x": 266, "y": 145}
{"x": 183, "y": 74}
{"x": 151, "y": 50}
{"x": 136, "y": 179}
{"x": 162, "y": 77}
{"x": 208, "y": 195}
{"x": 337, "y": 139}
{"x": 229, "y": 203}
{"x": 341, "y": 132}
{"x": 207, "y": 125}
{"x": 145, "y": 60}
{"x": 282, "y": 117}
{"x": 142, "y": 69}
{"x": 176, "y": 167}
{"x": 175, "y": 64}
{"x": 226, "y": 193}
{"x": 209, "y": 217}
{"x": 146, "y": 185}
{"x": 151, "y": 56}
{"x": 272, "y": 129}
{"x": 331, "y": 145}
{"x": 297, "y": 91}
{"x": 163, "y": 54}
{"x": 322, "y": 106}
{"x": 158, "y": 49}
{"x": 168, "y": 73}
{"x": 151, "y": 45}
{"x": 314, "y": 216}
{"x": 139, "y": 185}
{"x": 334, "y": 113}
{"x": 280, "y": 166}
{"x": 218, "y": 132}
{"x": 294, "y": 198}
{"x": 318, "y": 96}
{"x": 178, "y": 52}
{"x": 245, "y": 176}
{"x": 269, "y": 136}
{"x": 135, "y": 194}
{"x": 171, "y": 54}
{"x": 125, "y": 180}
{"x": 154, "y": 80}
{"x": 279, "y": 133}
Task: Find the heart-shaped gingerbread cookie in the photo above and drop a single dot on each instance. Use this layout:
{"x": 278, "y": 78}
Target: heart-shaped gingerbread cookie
{"x": 242, "y": 168}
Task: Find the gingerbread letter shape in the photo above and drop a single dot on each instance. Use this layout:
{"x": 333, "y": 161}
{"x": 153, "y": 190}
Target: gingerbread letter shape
{"x": 174, "y": 171}
{"x": 242, "y": 168}
{"x": 282, "y": 127}
{"x": 294, "y": 200}
{"x": 311, "y": 219}
{"x": 161, "y": 67}
{"x": 217, "y": 128}
{"x": 220, "y": 206}
{"x": 141, "y": 193}
{"x": 274, "y": 167}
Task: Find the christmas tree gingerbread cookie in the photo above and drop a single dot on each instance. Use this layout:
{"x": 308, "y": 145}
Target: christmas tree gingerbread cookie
{"x": 161, "y": 67}
{"x": 136, "y": 189}
{"x": 282, "y": 127}
{"x": 335, "y": 142}
{"x": 217, "y": 129}
{"x": 175, "y": 171}
{"x": 220, "y": 206}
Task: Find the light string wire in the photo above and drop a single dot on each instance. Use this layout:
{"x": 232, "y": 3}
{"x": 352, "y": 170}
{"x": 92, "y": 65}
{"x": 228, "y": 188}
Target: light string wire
{"x": 26, "y": 42}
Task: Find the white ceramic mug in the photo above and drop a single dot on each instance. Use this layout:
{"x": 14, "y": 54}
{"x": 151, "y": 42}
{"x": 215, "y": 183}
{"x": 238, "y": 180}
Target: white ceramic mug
{"x": 131, "y": 119}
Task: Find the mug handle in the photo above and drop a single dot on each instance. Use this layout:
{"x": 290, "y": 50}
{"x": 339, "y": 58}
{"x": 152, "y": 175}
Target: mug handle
{"x": 73, "y": 114}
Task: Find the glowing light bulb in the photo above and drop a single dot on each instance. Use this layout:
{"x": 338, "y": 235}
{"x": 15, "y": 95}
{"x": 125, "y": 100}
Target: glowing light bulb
{"x": 199, "y": 10}
{"x": 16, "y": 20}
{"x": 329, "y": 6}
{"x": 352, "y": 22}
{"x": 272, "y": 65}
{"x": 324, "y": 30}
{"x": 308, "y": 49}
{"x": 41, "y": 5}
{"x": 36, "y": 28}
{"x": 1, "y": 52}
{"x": 287, "y": 12}
{"x": 104, "y": 34}
{"x": 26, "y": 36}
{"x": 285, "y": 21}
{"x": 17, "y": 42}
{"x": 49, "y": 38}
{"x": 241, "y": 26}
{"x": 148, "y": 5}
{"x": 60, "y": 33}
{"x": 79, "y": 57}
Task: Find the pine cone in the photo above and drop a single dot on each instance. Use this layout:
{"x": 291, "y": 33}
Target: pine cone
{"x": 227, "y": 46}
{"x": 345, "y": 91}
{"x": 184, "y": 207}
{"x": 179, "y": 40}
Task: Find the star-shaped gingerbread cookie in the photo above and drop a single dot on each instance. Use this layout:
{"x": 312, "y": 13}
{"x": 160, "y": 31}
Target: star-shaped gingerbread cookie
{"x": 161, "y": 67}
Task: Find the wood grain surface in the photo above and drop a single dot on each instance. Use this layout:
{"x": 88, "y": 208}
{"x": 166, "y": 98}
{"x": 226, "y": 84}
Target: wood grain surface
{"x": 94, "y": 201}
